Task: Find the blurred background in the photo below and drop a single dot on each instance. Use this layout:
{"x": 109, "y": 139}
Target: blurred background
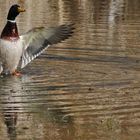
{"x": 86, "y": 88}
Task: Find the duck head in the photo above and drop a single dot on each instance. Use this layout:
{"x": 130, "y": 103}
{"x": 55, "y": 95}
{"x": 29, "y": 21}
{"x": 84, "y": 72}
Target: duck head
{"x": 14, "y": 11}
{"x": 10, "y": 30}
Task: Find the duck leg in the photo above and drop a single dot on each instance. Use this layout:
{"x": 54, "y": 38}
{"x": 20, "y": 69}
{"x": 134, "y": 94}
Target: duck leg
{"x": 16, "y": 73}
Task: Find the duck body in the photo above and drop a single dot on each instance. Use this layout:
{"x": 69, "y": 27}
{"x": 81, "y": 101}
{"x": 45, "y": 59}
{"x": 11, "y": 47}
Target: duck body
{"x": 10, "y": 48}
{"x": 18, "y": 51}
{"x": 10, "y": 54}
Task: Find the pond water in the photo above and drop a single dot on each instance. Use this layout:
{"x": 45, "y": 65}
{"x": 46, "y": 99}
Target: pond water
{"x": 86, "y": 88}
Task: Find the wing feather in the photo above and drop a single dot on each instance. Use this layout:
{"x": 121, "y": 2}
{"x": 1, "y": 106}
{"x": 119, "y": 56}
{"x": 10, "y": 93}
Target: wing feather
{"x": 37, "y": 40}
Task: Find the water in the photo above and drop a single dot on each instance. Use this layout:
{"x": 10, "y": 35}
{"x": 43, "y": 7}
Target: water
{"x": 86, "y": 88}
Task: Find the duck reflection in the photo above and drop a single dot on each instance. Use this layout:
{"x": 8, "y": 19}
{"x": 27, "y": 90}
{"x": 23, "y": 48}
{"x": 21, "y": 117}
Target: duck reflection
{"x": 10, "y": 86}
{"x": 10, "y": 120}
{"x": 25, "y": 107}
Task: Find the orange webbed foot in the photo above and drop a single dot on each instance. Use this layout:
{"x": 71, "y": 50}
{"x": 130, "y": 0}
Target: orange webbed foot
{"x": 15, "y": 73}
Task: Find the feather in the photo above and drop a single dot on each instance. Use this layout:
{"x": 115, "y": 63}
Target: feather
{"x": 37, "y": 40}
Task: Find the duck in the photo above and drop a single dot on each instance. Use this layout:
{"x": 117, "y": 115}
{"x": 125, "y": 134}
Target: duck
{"x": 17, "y": 51}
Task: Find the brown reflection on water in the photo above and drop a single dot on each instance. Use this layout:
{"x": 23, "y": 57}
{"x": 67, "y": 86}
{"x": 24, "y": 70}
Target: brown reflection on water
{"x": 84, "y": 88}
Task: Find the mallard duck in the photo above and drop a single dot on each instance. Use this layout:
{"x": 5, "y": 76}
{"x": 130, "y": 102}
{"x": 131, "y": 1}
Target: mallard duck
{"x": 18, "y": 51}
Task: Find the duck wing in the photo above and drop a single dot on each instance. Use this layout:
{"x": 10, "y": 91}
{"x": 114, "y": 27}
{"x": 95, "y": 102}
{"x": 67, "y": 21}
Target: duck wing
{"x": 38, "y": 39}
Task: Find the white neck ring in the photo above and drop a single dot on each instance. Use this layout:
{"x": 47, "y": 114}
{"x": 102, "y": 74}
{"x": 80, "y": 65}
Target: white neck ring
{"x": 12, "y": 21}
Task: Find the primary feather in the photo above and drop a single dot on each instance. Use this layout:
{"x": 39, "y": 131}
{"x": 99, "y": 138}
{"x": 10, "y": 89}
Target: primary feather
{"x": 38, "y": 39}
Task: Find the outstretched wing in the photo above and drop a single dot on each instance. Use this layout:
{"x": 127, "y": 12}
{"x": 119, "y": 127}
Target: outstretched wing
{"x": 37, "y": 40}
